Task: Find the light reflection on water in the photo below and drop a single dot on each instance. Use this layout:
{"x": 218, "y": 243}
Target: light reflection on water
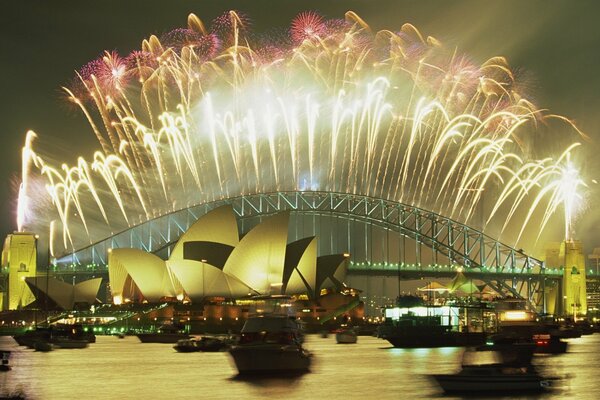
{"x": 124, "y": 368}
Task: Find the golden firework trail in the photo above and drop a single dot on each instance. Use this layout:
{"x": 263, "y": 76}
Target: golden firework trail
{"x": 212, "y": 111}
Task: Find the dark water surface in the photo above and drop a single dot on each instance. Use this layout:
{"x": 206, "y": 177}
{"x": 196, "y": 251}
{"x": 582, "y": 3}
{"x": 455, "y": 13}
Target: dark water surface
{"x": 116, "y": 368}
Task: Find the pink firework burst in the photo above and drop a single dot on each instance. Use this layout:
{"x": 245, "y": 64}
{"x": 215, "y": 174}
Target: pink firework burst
{"x": 141, "y": 64}
{"x": 110, "y": 71}
{"x": 224, "y": 25}
{"x": 113, "y": 74}
{"x": 307, "y": 25}
{"x": 207, "y": 46}
{"x": 180, "y": 37}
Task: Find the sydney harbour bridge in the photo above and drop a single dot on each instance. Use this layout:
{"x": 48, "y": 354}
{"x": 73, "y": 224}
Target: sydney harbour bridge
{"x": 385, "y": 239}
{"x": 378, "y": 128}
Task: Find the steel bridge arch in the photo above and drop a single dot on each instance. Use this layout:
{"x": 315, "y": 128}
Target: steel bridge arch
{"x": 479, "y": 254}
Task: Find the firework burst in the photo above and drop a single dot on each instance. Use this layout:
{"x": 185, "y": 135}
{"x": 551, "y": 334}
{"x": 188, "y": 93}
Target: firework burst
{"x": 202, "y": 114}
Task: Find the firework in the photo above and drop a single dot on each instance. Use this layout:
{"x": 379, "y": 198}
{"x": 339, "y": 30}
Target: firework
{"x": 201, "y": 114}
{"x": 307, "y": 25}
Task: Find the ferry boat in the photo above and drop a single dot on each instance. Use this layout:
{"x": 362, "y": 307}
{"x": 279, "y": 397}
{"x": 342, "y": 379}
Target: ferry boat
{"x": 165, "y": 334}
{"x": 271, "y": 340}
{"x": 422, "y": 326}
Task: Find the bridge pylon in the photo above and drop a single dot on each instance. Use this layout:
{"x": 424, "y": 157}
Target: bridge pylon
{"x": 19, "y": 258}
{"x": 574, "y": 280}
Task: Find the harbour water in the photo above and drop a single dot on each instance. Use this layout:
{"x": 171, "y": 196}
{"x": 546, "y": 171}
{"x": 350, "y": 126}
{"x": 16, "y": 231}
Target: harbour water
{"x": 115, "y": 368}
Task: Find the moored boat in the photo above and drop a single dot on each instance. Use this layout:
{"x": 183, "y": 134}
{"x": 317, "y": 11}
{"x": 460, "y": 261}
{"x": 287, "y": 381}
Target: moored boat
{"x": 165, "y": 334}
{"x": 49, "y": 334}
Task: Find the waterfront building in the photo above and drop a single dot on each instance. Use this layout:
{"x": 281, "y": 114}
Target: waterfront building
{"x": 210, "y": 260}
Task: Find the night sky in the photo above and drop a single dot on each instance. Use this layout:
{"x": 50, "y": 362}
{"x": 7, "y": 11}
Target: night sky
{"x": 556, "y": 44}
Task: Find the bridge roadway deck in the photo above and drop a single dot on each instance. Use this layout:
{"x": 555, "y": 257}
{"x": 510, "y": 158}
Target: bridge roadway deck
{"x": 404, "y": 272}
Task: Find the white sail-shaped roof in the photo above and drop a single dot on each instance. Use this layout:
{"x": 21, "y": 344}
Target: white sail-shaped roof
{"x": 65, "y": 295}
{"x": 117, "y": 275}
{"x": 258, "y": 260}
{"x": 86, "y": 291}
{"x": 331, "y": 271}
{"x": 304, "y": 277}
{"x": 218, "y": 225}
{"x": 227, "y": 286}
{"x": 148, "y": 271}
{"x": 201, "y": 280}
{"x": 58, "y": 291}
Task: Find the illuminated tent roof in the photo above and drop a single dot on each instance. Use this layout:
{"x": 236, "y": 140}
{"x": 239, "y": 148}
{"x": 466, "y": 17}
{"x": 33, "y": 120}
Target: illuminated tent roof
{"x": 459, "y": 280}
{"x": 467, "y": 288}
{"x": 433, "y": 287}
{"x": 64, "y": 295}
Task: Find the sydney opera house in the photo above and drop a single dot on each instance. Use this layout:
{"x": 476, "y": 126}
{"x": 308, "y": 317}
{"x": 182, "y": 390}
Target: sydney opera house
{"x": 212, "y": 266}
{"x": 211, "y": 260}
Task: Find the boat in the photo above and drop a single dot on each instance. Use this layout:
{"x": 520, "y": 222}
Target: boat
{"x": 212, "y": 343}
{"x": 65, "y": 342}
{"x": 412, "y": 323}
{"x": 186, "y": 346}
{"x": 546, "y": 343}
{"x": 51, "y": 333}
{"x": 346, "y": 335}
{"x": 165, "y": 334}
{"x": 42, "y": 345}
{"x": 29, "y": 338}
{"x": 271, "y": 341}
{"x": 205, "y": 343}
{"x": 544, "y": 335}
{"x": 4, "y": 356}
{"x": 486, "y": 370}
{"x": 418, "y": 331}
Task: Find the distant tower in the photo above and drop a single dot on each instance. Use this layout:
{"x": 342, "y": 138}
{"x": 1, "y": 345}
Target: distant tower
{"x": 19, "y": 257}
{"x": 574, "y": 282}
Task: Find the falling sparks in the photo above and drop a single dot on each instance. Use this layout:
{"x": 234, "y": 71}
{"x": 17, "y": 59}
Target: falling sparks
{"x": 208, "y": 112}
